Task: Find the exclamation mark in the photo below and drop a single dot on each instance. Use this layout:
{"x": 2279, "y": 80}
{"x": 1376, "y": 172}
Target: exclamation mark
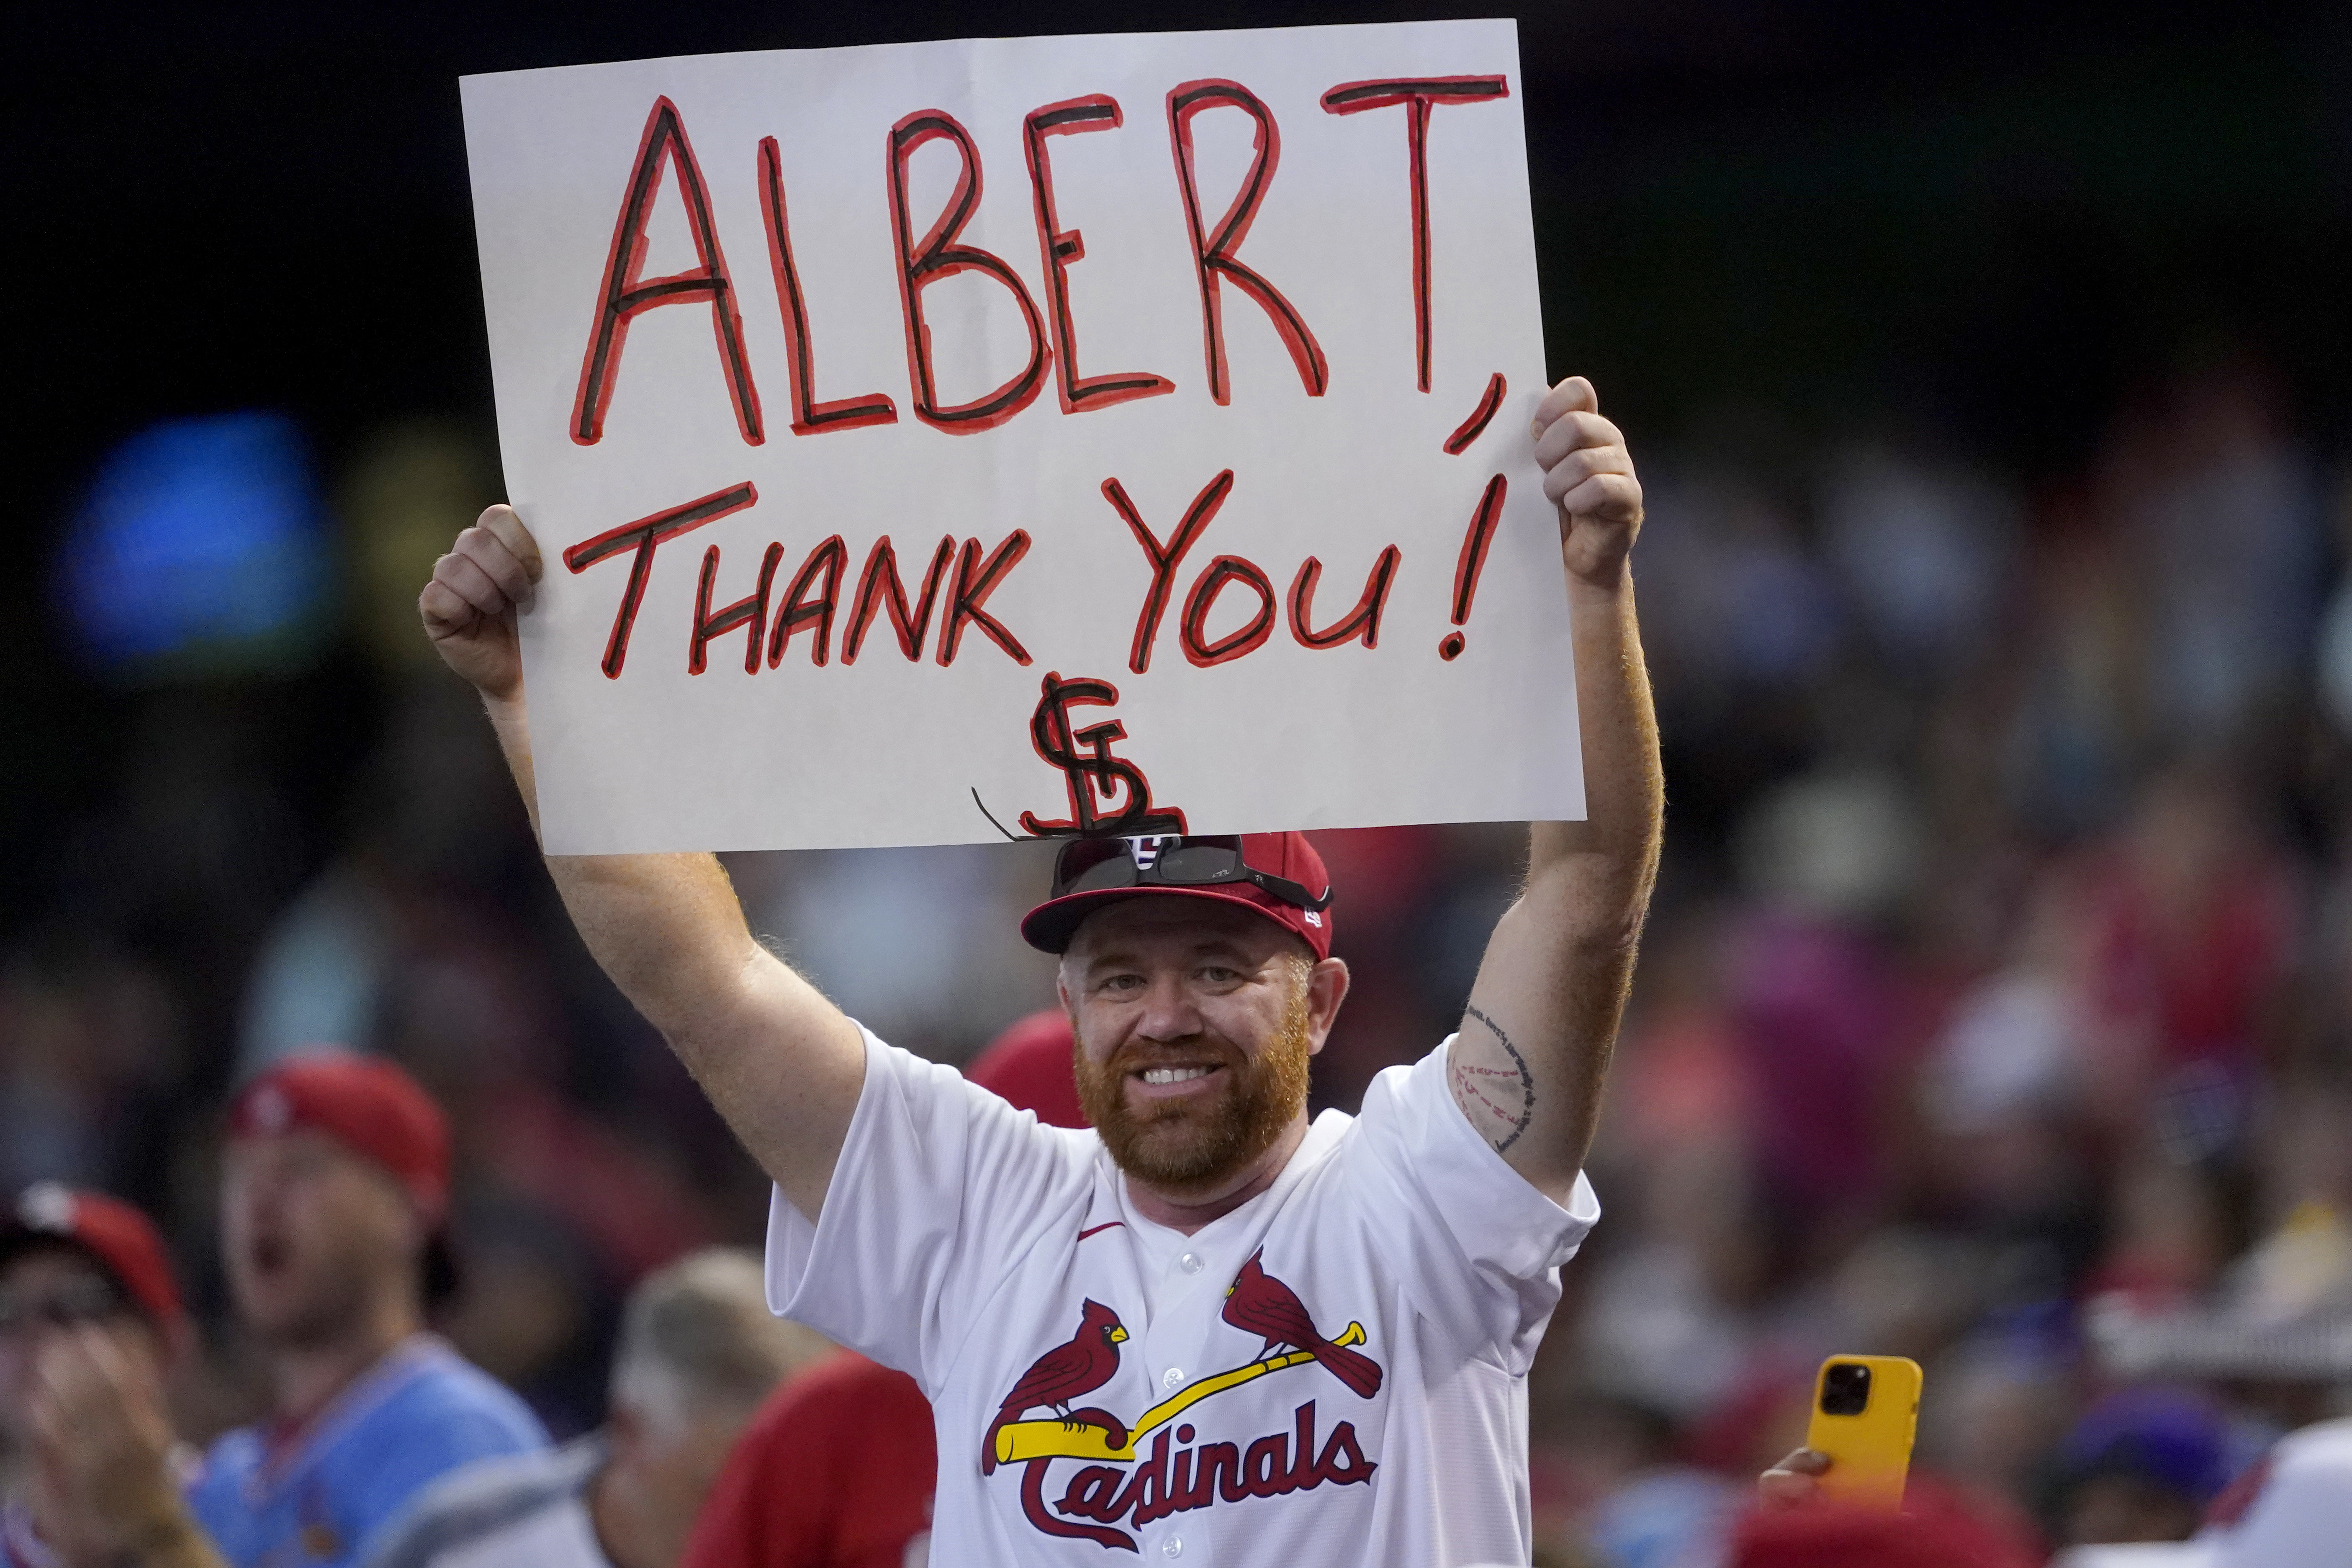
{"x": 1473, "y": 560}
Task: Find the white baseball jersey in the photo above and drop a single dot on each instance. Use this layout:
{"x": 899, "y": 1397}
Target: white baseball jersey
{"x": 1334, "y": 1373}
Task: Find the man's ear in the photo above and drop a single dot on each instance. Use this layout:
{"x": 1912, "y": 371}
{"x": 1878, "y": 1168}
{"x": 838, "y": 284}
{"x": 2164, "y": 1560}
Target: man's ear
{"x": 1327, "y": 987}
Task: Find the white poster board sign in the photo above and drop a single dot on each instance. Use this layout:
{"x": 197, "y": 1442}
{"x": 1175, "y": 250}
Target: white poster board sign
{"x": 1126, "y": 433}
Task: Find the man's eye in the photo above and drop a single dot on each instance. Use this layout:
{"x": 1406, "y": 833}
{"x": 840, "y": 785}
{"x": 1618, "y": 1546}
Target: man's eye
{"x": 1218, "y": 975}
{"x": 1123, "y": 982}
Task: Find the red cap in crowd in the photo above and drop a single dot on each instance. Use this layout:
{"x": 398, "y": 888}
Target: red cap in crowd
{"x": 1029, "y": 1065}
{"x": 1286, "y": 858}
{"x": 1939, "y": 1527}
{"x": 365, "y": 1104}
{"x": 116, "y": 1237}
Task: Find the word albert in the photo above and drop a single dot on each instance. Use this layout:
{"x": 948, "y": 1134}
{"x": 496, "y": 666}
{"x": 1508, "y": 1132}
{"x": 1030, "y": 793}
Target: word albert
{"x": 927, "y": 255}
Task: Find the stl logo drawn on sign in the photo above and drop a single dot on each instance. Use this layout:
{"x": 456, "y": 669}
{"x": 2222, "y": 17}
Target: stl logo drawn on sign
{"x": 1198, "y": 1472}
{"x": 1092, "y": 773}
{"x": 1324, "y": 323}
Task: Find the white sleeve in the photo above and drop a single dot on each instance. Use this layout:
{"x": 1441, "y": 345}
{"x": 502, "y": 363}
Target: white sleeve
{"x": 1475, "y": 1243}
{"x": 940, "y": 1186}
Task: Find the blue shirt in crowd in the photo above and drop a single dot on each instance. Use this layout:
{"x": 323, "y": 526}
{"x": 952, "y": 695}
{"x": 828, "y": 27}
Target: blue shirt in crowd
{"x": 319, "y": 1500}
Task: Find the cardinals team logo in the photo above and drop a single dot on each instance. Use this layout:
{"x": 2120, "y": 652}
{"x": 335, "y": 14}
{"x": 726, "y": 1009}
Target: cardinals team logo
{"x": 1099, "y": 1495}
{"x": 1066, "y": 1373}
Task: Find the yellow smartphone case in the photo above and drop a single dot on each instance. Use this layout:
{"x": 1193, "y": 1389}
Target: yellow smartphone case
{"x": 1865, "y": 1413}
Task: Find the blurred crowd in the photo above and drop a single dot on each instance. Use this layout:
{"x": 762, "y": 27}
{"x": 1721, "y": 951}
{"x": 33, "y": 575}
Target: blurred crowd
{"x": 1996, "y": 1007}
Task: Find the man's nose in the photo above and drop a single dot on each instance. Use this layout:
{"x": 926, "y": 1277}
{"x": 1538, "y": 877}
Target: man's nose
{"x": 1169, "y": 1012}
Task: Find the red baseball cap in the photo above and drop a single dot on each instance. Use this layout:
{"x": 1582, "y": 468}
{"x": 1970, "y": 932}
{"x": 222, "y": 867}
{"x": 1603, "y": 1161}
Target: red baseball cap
{"x": 365, "y": 1104}
{"x": 1029, "y": 1065}
{"x": 116, "y": 1237}
{"x": 1287, "y": 857}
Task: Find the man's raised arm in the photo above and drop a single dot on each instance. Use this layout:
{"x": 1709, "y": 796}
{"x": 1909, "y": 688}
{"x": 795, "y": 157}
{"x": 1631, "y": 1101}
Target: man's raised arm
{"x": 1528, "y": 1064}
{"x": 782, "y": 1064}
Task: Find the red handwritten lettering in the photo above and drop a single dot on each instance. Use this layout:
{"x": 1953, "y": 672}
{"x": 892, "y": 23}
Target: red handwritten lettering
{"x": 937, "y": 255}
{"x": 1061, "y": 247}
{"x": 878, "y": 586}
{"x": 1363, "y": 621}
{"x": 975, "y": 579}
{"x": 644, "y": 536}
{"x": 1246, "y": 638}
{"x": 1213, "y": 254}
{"x": 750, "y": 612}
{"x": 1418, "y": 96}
{"x": 809, "y": 417}
{"x": 827, "y": 561}
{"x": 624, "y": 295}
{"x": 1165, "y": 558}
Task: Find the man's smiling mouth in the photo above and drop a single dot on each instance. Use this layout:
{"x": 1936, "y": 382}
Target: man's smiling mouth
{"x": 1173, "y": 1075}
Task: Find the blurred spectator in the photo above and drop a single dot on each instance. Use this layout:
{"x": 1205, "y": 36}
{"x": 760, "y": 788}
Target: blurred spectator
{"x": 1937, "y": 1527}
{"x": 835, "y": 1471}
{"x": 2293, "y": 1510}
{"x": 698, "y": 1351}
{"x": 1822, "y": 1537}
{"x": 533, "y": 1308}
{"x": 1650, "y": 1509}
{"x": 91, "y": 1330}
{"x": 1923, "y": 552}
{"x": 90, "y": 1048}
{"x": 334, "y": 1193}
{"x": 2192, "y": 923}
{"x": 848, "y": 919}
{"x": 401, "y": 947}
{"x": 2001, "y": 1404}
{"x": 2141, "y": 1465}
{"x": 838, "y": 1468}
{"x": 2208, "y": 459}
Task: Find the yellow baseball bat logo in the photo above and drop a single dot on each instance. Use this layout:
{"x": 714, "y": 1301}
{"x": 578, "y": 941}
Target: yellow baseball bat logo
{"x": 1020, "y": 1440}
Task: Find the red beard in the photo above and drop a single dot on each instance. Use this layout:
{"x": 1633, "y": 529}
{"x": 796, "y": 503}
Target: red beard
{"x": 1198, "y": 1147}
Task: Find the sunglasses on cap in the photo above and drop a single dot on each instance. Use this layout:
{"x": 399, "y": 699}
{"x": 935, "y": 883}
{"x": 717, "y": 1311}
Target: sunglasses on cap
{"x": 1103, "y": 864}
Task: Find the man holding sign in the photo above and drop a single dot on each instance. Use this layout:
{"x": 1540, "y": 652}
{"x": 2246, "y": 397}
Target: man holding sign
{"x": 1207, "y": 1329}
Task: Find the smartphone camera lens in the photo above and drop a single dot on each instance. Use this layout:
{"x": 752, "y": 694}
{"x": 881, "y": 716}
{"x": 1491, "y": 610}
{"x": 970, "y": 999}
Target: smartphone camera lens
{"x": 1845, "y": 1389}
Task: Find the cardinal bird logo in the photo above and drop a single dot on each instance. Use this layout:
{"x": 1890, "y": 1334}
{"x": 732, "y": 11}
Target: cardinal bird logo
{"x": 1071, "y": 1370}
{"x": 1259, "y": 1303}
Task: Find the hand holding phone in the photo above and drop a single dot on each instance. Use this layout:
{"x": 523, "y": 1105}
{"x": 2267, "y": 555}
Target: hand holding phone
{"x": 1865, "y": 1413}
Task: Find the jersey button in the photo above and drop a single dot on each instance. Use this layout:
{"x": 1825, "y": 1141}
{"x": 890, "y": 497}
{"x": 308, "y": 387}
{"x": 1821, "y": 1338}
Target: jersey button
{"x": 1191, "y": 1263}
{"x": 1172, "y": 1377}
{"x": 1172, "y": 1547}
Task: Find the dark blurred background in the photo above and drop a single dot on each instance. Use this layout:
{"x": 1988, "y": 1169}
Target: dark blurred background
{"x": 1988, "y": 370}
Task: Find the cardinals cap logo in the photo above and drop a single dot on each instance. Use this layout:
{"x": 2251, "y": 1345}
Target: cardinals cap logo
{"x": 46, "y": 1206}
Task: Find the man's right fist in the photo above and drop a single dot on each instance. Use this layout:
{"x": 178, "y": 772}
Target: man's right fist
{"x": 470, "y": 605}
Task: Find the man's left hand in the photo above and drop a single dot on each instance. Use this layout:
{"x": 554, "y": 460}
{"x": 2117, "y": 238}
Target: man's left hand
{"x": 1588, "y": 475}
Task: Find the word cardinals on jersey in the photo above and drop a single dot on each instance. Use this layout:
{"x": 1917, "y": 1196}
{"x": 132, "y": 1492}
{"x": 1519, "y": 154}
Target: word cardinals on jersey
{"x": 1179, "y": 1480}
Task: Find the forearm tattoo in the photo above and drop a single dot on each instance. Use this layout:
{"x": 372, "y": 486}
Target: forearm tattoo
{"x": 1488, "y": 1093}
